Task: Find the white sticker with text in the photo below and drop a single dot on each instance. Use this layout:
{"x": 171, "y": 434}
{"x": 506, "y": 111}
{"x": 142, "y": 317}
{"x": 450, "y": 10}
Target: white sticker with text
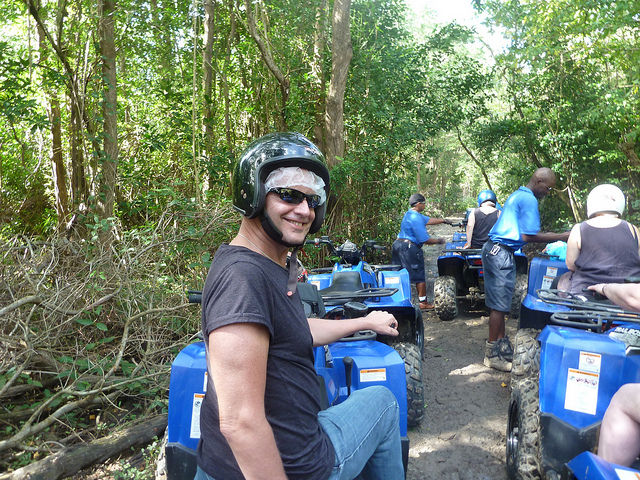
{"x": 582, "y": 391}
{"x": 195, "y": 415}
{"x": 590, "y": 362}
{"x": 373, "y": 375}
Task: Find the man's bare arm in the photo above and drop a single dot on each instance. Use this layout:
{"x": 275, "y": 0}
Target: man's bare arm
{"x": 237, "y": 358}
{"x": 327, "y": 331}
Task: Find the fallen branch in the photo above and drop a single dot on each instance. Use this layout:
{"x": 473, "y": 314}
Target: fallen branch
{"x": 18, "y": 303}
{"x": 70, "y": 460}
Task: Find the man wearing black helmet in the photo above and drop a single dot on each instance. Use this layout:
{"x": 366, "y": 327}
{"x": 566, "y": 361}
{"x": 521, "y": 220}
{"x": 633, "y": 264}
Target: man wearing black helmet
{"x": 261, "y": 414}
{"x": 407, "y": 248}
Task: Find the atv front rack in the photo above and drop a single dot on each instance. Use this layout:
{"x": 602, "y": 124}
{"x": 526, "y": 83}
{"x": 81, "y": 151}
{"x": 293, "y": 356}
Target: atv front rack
{"x": 341, "y": 297}
{"x": 586, "y": 314}
{"x": 463, "y": 251}
{"x": 579, "y": 302}
{"x": 596, "y": 320}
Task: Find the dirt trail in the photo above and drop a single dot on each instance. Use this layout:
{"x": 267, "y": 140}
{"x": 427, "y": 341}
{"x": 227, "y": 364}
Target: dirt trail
{"x": 462, "y": 435}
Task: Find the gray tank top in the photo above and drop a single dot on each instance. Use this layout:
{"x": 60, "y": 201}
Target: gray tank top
{"x": 607, "y": 255}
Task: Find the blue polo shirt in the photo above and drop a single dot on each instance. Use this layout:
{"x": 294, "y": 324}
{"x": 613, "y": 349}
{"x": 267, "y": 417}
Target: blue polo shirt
{"x": 520, "y": 216}
{"x": 413, "y": 227}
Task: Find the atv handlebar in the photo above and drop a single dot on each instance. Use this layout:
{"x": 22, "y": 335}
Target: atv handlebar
{"x": 338, "y": 252}
{"x": 194, "y": 296}
{"x": 463, "y": 251}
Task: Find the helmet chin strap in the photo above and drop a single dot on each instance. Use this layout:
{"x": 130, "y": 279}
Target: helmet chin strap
{"x": 276, "y": 234}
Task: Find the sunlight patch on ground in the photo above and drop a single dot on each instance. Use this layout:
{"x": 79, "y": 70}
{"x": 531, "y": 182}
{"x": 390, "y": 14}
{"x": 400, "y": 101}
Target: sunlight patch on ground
{"x": 472, "y": 369}
{"x": 434, "y": 441}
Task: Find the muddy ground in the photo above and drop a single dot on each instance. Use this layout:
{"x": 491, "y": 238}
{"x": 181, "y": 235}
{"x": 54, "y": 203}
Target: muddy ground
{"x": 462, "y": 435}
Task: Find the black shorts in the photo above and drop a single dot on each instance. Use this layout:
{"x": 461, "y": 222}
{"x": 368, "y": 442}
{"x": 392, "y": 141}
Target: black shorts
{"x": 410, "y": 256}
{"x": 499, "y": 276}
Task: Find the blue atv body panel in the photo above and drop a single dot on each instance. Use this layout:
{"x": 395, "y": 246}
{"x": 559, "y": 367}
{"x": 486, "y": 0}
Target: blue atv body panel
{"x": 588, "y": 466}
{"x": 374, "y": 363}
{"x": 543, "y": 271}
{"x": 579, "y": 372}
{"x": 383, "y": 279}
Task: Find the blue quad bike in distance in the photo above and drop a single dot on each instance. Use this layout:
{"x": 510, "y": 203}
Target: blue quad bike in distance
{"x": 353, "y": 363}
{"x": 461, "y": 278}
{"x": 578, "y": 353}
{"x": 379, "y": 287}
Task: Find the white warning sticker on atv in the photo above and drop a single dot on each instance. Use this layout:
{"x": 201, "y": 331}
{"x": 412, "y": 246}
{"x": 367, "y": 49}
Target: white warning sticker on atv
{"x": 316, "y": 283}
{"x": 195, "y": 415}
{"x": 392, "y": 281}
{"x": 627, "y": 474}
{"x": 373, "y": 375}
{"x": 582, "y": 391}
{"x": 550, "y": 275}
{"x": 590, "y": 362}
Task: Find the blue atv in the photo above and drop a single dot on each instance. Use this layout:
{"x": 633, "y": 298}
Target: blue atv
{"x": 535, "y": 313}
{"x": 380, "y": 287}
{"x": 461, "y": 278}
{"x": 353, "y": 363}
{"x": 585, "y": 351}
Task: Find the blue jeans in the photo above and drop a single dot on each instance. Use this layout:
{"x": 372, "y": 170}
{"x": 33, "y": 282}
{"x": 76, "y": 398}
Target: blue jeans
{"x": 365, "y": 434}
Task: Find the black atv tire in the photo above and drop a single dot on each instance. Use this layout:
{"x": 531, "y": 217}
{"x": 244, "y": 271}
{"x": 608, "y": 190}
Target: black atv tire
{"x": 523, "y": 432}
{"x": 444, "y": 293}
{"x": 526, "y": 354}
{"x": 519, "y": 293}
{"x": 415, "y": 389}
{"x": 161, "y": 461}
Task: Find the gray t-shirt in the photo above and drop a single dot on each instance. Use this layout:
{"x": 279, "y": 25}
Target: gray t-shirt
{"x": 245, "y": 287}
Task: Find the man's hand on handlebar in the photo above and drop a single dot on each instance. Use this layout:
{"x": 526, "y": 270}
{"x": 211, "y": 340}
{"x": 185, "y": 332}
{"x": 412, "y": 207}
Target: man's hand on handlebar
{"x": 382, "y": 323}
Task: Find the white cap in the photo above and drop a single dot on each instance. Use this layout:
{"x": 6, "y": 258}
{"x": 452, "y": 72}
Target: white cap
{"x": 605, "y": 198}
{"x": 287, "y": 177}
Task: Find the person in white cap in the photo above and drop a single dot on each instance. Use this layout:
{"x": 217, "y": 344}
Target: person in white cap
{"x": 604, "y": 248}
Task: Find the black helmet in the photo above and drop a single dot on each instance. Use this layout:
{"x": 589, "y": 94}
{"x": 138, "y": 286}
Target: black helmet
{"x": 416, "y": 198}
{"x": 264, "y": 155}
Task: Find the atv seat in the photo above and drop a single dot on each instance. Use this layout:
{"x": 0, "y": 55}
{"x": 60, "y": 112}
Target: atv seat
{"x": 343, "y": 284}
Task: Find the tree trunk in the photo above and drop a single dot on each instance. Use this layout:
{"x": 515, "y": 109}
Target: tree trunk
{"x": 317, "y": 72}
{"x": 58, "y": 169}
{"x": 628, "y": 148}
{"x": 225, "y": 82}
{"x": 109, "y": 158}
{"x": 208, "y": 80}
{"x": 475, "y": 160}
{"x": 57, "y": 163}
{"x": 195, "y": 118}
{"x": 78, "y": 179}
{"x": 341, "y": 54}
{"x": 267, "y": 57}
{"x": 70, "y": 460}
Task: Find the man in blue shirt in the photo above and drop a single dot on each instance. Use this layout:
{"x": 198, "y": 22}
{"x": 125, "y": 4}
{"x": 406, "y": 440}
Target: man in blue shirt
{"x": 518, "y": 224}
{"x": 407, "y": 249}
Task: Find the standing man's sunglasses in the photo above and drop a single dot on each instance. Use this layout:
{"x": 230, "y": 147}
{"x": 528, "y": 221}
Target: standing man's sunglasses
{"x": 295, "y": 197}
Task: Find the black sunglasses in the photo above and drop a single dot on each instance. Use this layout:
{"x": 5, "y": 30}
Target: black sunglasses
{"x": 291, "y": 195}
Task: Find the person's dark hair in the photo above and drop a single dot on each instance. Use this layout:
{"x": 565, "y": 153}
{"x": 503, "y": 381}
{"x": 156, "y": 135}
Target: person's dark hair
{"x": 416, "y": 198}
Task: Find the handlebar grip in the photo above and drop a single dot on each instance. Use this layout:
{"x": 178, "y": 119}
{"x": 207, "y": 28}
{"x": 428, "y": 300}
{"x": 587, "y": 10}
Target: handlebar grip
{"x": 194, "y": 296}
